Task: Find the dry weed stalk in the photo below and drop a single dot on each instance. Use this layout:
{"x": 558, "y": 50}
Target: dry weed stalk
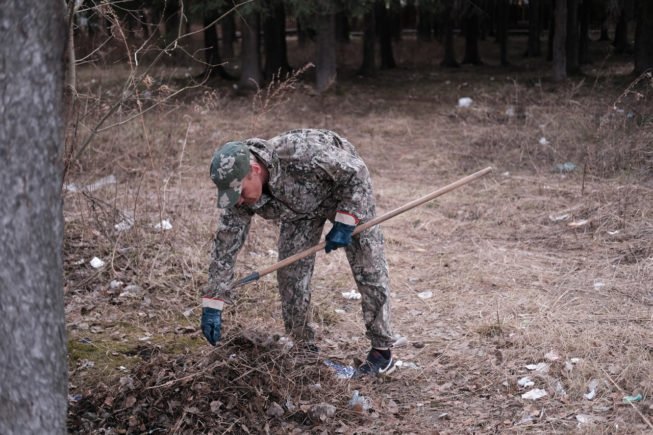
{"x": 278, "y": 92}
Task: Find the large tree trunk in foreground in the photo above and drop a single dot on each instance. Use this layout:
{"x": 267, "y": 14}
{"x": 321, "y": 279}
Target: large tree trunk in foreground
{"x": 33, "y": 389}
{"x": 559, "y": 41}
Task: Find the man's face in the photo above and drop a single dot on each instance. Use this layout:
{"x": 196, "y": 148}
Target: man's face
{"x": 252, "y": 188}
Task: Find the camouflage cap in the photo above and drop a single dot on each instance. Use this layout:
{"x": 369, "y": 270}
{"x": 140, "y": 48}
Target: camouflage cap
{"x": 229, "y": 166}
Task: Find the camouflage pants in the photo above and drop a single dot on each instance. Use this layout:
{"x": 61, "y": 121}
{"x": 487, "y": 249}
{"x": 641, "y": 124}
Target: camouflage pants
{"x": 368, "y": 264}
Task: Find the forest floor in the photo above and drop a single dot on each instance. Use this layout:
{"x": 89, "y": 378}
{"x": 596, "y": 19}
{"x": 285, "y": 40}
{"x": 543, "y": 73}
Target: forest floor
{"x": 538, "y": 270}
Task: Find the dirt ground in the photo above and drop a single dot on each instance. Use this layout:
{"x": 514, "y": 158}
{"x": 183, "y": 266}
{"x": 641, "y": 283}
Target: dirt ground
{"x": 536, "y": 270}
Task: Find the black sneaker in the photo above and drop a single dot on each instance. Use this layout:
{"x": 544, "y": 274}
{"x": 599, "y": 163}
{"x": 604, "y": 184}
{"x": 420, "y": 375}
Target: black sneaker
{"x": 376, "y": 364}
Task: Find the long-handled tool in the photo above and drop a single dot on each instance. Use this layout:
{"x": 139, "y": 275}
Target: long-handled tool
{"x": 362, "y": 227}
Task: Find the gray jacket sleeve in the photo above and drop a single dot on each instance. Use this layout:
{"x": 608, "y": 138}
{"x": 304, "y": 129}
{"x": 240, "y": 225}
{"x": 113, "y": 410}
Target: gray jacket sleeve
{"x": 230, "y": 236}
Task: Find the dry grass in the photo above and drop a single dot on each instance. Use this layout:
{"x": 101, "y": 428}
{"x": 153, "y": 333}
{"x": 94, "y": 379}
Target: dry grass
{"x": 511, "y": 280}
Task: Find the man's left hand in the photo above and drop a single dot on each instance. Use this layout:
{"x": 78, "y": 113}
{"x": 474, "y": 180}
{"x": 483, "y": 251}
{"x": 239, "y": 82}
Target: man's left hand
{"x": 340, "y": 234}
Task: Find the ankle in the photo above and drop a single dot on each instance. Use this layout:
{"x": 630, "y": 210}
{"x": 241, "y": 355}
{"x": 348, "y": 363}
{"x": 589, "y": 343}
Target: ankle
{"x": 384, "y": 352}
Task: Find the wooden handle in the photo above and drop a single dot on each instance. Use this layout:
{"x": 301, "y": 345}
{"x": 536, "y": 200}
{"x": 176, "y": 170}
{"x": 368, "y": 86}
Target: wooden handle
{"x": 362, "y": 227}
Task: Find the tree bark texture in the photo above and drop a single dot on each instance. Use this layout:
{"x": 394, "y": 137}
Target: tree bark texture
{"x": 33, "y": 369}
{"x": 559, "y": 41}
{"x": 471, "y": 39}
{"x": 585, "y": 12}
{"x": 502, "y": 31}
{"x": 368, "y": 65}
{"x": 620, "y": 43}
{"x": 325, "y": 56}
{"x": 644, "y": 37}
{"x": 449, "y": 59}
{"x": 424, "y": 22}
{"x": 228, "y": 31}
{"x": 573, "y": 38}
{"x": 251, "y": 75}
{"x": 384, "y": 30}
{"x": 274, "y": 31}
{"x": 534, "y": 29}
{"x": 214, "y": 66}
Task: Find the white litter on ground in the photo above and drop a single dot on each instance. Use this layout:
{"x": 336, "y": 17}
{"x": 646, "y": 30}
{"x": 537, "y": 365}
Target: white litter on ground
{"x": 534, "y": 394}
{"x": 352, "y": 295}
{"x": 96, "y": 263}
{"x": 97, "y": 184}
{"x": 525, "y": 382}
{"x": 163, "y": 225}
{"x": 465, "y": 102}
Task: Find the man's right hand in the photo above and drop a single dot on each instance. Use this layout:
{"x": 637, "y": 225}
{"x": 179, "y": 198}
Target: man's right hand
{"x": 212, "y": 319}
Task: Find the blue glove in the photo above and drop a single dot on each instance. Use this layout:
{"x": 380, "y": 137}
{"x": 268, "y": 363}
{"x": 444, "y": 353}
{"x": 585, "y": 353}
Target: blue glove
{"x": 212, "y": 323}
{"x": 339, "y": 236}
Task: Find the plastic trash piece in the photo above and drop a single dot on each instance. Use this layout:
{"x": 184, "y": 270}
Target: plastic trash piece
{"x": 564, "y": 168}
{"x": 352, "y": 295}
{"x": 425, "y": 294}
{"x": 525, "y": 382}
{"x": 405, "y": 365}
{"x": 98, "y": 184}
{"x": 359, "y": 403}
{"x": 534, "y": 394}
{"x": 96, "y": 263}
{"x": 465, "y": 102}
{"x": 342, "y": 371}
{"x": 124, "y": 224}
{"x": 591, "y": 394}
{"x": 163, "y": 225}
{"x": 544, "y": 141}
{"x": 539, "y": 367}
{"x": 632, "y": 399}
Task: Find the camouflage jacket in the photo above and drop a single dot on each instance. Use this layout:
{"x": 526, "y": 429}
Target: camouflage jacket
{"x": 312, "y": 174}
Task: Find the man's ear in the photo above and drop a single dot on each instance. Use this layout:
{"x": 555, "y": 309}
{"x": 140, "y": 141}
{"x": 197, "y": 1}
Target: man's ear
{"x": 255, "y": 168}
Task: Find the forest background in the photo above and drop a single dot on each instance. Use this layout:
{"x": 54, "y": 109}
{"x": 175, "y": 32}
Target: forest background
{"x": 534, "y": 281}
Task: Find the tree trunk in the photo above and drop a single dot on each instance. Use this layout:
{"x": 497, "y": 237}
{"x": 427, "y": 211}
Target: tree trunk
{"x": 228, "y": 28}
{"x": 369, "y": 44}
{"x": 251, "y": 75}
{"x": 384, "y": 31}
{"x": 214, "y": 66}
{"x": 274, "y": 31}
{"x": 620, "y": 43}
{"x": 559, "y": 41}
{"x": 342, "y": 27}
{"x": 573, "y": 38}
{"x": 534, "y": 29}
{"x": 325, "y": 56}
{"x": 585, "y": 18}
{"x": 424, "y": 22}
{"x": 644, "y": 37}
{"x": 395, "y": 19}
{"x": 471, "y": 39}
{"x": 502, "y": 31}
{"x": 449, "y": 50}
{"x": 33, "y": 391}
{"x": 172, "y": 19}
{"x": 552, "y": 31}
